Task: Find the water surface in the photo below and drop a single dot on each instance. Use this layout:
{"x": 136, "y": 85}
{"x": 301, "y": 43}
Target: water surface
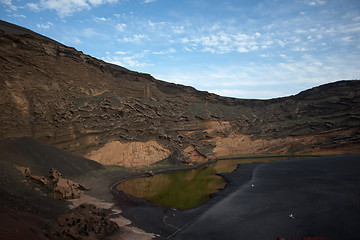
{"x": 187, "y": 188}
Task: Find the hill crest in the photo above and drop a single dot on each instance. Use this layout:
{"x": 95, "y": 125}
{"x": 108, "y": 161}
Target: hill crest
{"x": 80, "y": 104}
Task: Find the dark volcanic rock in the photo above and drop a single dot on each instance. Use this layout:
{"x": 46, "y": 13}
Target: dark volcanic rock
{"x": 84, "y": 222}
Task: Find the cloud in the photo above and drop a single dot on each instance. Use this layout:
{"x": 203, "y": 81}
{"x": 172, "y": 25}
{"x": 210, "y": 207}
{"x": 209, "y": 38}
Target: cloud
{"x": 101, "y": 19}
{"x": 33, "y": 6}
{"x": 221, "y": 42}
{"x": 316, "y": 2}
{"x": 19, "y": 15}
{"x": 71, "y": 40}
{"x": 120, "y": 53}
{"x": 347, "y": 39}
{"x": 148, "y": 1}
{"x": 91, "y": 32}
{"x": 136, "y": 38}
{"x": 99, "y": 2}
{"x": 132, "y": 61}
{"x": 177, "y": 29}
{"x": 9, "y": 4}
{"x": 66, "y": 8}
{"x": 120, "y": 27}
{"x": 45, "y": 26}
{"x": 266, "y": 80}
{"x": 171, "y": 50}
{"x": 300, "y": 49}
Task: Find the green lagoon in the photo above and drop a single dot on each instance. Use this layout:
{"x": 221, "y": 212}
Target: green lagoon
{"x": 185, "y": 189}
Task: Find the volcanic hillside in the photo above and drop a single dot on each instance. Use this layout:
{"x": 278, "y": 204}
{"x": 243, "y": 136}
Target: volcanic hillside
{"x": 90, "y": 108}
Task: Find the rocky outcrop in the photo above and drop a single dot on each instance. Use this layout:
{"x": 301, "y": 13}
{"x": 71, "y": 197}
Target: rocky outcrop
{"x": 84, "y": 222}
{"x": 59, "y": 187}
{"x": 63, "y": 188}
{"x": 53, "y": 93}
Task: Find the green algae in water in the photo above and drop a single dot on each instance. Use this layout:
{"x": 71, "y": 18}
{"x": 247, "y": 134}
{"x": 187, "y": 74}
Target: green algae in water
{"x": 187, "y": 188}
{"x": 181, "y": 189}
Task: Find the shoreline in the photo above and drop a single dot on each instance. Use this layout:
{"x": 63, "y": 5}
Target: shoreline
{"x": 169, "y": 221}
{"x": 159, "y": 222}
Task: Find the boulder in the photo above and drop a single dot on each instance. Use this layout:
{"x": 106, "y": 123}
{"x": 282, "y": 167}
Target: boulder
{"x": 66, "y": 189}
{"x": 60, "y": 188}
{"x": 41, "y": 180}
{"x": 84, "y": 222}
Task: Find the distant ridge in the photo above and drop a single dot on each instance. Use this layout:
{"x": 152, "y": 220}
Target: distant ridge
{"x": 13, "y": 29}
{"x": 85, "y": 106}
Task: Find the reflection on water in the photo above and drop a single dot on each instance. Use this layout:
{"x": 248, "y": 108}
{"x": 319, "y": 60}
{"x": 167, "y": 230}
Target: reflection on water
{"x": 185, "y": 189}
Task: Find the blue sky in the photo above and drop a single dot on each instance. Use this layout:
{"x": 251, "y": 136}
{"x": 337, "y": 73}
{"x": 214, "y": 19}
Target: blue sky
{"x": 237, "y": 48}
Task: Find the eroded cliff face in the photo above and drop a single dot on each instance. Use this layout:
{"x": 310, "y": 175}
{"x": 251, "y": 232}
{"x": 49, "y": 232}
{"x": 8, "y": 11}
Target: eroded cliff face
{"x": 90, "y": 108}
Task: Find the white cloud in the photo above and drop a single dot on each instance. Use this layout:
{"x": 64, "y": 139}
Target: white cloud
{"x": 89, "y": 32}
{"x": 10, "y": 5}
{"x": 242, "y": 50}
{"x": 188, "y": 49}
{"x": 120, "y": 52}
{"x": 136, "y": 38}
{"x": 102, "y": 19}
{"x": 148, "y": 1}
{"x": 67, "y": 7}
{"x": 316, "y": 2}
{"x": 151, "y": 23}
{"x": 120, "y": 27}
{"x": 71, "y": 40}
{"x": 300, "y": 49}
{"x": 171, "y": 50}
{"x": 221, "y": 43}
{"x": 45, "y": 25}
{"x": 19, "y": 15}
{"x": 177, "y": 29}
{"x": 301, "y": 31}
{"x": 128, "y": 61}
{"x": 76, "y": 40}
{"x": 267, "y": 80}
{"x": 347, "y": 39}
{"x": 98, "y": 2}
{"x": 33, "y": 6}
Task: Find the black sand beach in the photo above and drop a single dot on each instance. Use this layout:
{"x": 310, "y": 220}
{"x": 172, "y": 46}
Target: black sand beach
{"x": 294, "y": 198}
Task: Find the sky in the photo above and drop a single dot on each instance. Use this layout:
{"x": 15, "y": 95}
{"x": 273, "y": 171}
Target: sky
{"x": 255, "y": 49}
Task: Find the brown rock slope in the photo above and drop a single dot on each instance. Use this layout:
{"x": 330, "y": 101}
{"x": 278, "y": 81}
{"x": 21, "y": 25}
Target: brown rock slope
{"x": 25, "y": 206}
{"x": 87, "y": 107}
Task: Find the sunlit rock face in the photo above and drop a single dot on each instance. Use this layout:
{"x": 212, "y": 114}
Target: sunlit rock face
{"x": 80, "y": 104}
{"x": 130, "y": 154}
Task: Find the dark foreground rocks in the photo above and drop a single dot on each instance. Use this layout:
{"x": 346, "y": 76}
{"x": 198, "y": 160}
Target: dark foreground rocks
{"x": 59, "y": 187}
{"x": 84, "y": 222}
{"x": 26, "y": 209}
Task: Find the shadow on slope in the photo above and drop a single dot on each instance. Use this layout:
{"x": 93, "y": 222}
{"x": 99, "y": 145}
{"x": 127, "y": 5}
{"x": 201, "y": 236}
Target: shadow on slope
{"x": 39, "y": 157}
{"x": 25, "y": 208}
